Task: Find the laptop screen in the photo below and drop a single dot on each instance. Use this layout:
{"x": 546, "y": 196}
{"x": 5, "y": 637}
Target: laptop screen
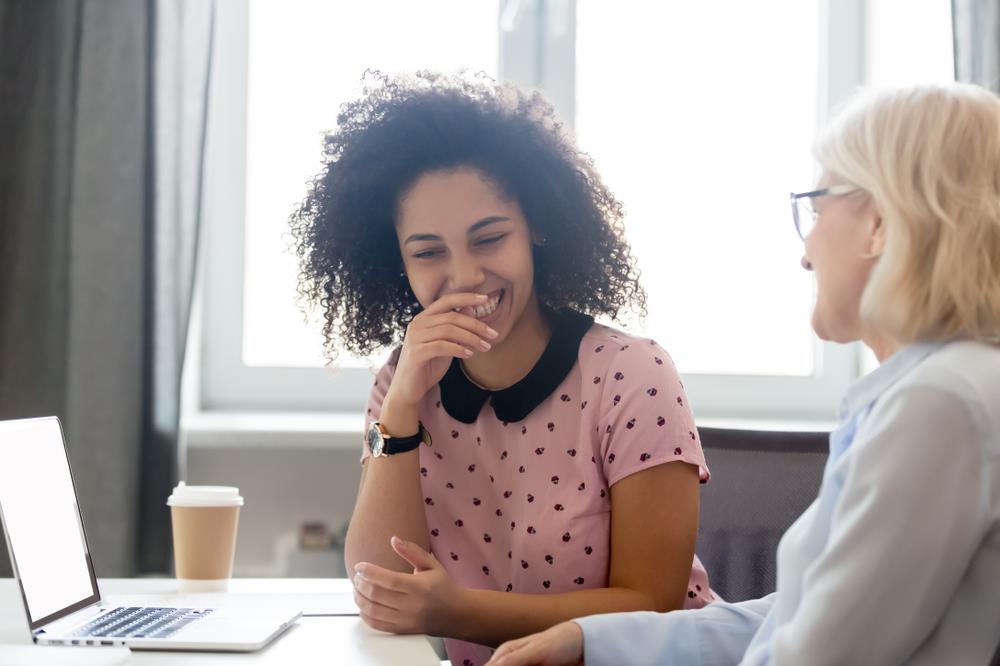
{"x": 42, "y": 520}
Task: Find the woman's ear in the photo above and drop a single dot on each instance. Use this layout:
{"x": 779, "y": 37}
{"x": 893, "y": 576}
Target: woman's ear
{"x": 876, "y": 245}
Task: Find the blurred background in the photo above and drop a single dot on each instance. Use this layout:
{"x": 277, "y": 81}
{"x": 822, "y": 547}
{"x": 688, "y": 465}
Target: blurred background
{"x": 152, "y": 151}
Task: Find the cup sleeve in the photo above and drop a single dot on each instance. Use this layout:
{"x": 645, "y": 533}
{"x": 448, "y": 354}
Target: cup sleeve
{"x": 379, "y": 389}
{"x": 645, "y": 417}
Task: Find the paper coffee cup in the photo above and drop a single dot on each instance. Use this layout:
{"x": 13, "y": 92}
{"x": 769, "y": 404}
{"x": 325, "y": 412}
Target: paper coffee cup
{"x": 204, "y": 520}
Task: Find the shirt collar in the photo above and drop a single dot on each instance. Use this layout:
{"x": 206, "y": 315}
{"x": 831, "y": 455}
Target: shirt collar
{"x": 866, "y": 390}
{"x": 463, "y": 400}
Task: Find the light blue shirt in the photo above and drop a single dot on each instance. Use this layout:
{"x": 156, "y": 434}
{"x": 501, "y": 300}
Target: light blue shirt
{"x": 897, "y": 560}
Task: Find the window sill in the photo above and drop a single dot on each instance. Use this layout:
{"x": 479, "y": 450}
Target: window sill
{"x": 270, "y": 430}
{"x": 771, "y": 425}
{"x": 273, "y": 430}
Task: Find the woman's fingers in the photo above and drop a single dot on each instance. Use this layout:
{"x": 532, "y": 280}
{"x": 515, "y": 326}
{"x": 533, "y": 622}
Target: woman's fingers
{"x": 387, "y": 578}
{"x": 375, "y": 613}
{"x": 387, "y": 627}
{"x": 439, "y": 349}
{"x": 455, "y": 334}
{"x": 379, "y": 594}
{"x": 456, "y": 300}
{"x": 523, "y": 652}
{"x": 434, "y": 337}
{"x": 505, "y": 650}
{"x": 461, "y": 320}
{"x": 434, "y": 325}
{"x": 562, "y": 645}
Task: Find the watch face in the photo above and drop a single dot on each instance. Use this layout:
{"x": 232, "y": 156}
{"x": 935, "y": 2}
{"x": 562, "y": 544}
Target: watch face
{"x": 375, "y": 441}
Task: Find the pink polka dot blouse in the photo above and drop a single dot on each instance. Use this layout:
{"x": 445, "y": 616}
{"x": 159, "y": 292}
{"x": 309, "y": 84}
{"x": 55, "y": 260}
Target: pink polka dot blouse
{"x": 523, "y": 504}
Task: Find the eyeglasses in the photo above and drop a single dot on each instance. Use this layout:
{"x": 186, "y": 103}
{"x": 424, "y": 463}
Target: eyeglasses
{"x": 803, "y": 212}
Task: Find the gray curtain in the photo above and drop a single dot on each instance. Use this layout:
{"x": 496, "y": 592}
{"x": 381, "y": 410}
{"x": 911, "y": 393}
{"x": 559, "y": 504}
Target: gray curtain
{"x": 977, "y": 41}
{"x": 99, "y": 208}
{"x": 182, "y": 68}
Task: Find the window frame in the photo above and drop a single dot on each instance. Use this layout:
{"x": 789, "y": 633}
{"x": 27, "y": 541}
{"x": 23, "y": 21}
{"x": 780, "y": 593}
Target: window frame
{"x": 537, "y": 50}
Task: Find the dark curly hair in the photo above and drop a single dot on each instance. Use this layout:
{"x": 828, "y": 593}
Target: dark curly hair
{"x": 402, "y": 127}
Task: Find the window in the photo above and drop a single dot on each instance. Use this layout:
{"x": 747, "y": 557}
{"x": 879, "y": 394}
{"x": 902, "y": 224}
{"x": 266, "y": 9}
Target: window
{"x": 700, "y": 142}
{"x": 699, "y": 116}
{"x": 305, "y": 59}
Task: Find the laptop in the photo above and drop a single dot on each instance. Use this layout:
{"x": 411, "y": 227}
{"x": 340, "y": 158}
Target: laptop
{"x": 53, "y": 567}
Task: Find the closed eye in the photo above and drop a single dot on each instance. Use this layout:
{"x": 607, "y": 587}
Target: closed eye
{"x": 491, "y": 240}
{"x": 426, "y": 254}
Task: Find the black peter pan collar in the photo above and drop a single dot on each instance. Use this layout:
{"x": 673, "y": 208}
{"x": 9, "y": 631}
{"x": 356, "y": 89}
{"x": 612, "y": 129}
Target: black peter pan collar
{"x": 463, "y": 400}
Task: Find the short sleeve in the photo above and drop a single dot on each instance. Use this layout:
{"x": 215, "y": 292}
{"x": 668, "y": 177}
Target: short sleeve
{"x": 645, "y": 417}
{"x": 381, "y": 386}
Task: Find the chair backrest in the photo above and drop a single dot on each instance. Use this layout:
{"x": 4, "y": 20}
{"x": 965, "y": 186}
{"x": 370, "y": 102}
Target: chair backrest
{"x": 762, "y": 481}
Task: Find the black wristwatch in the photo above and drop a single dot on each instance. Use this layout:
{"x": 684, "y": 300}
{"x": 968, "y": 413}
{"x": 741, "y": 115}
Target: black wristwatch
{"x": 381, "y": 443}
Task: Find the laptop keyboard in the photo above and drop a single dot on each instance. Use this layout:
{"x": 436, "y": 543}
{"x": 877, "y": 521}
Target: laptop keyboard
{"x": 141, "y": 622}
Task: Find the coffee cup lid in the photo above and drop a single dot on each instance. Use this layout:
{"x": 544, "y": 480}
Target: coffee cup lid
{"x": 185, "y": 495}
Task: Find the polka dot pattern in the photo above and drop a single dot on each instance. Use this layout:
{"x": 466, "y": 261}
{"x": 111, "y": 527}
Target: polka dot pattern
{"x": 620, "y": 410}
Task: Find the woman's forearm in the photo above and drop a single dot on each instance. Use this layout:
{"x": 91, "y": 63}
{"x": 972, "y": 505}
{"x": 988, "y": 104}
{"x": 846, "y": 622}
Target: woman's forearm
{"x": 389, "y": 499}
{"x": 489, "y": 617}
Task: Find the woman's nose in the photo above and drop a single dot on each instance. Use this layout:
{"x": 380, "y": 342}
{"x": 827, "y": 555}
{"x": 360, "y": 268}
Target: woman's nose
{"x": 466, "y": 274}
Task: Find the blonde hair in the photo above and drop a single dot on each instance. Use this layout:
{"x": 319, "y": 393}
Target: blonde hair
{"x": 929, "y": 157}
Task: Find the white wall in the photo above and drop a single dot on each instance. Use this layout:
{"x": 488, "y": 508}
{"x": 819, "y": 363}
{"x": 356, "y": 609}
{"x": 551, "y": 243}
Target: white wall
{"x": 283, "y": 487}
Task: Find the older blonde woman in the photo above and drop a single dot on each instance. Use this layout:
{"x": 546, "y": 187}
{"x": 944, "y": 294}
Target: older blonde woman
{"x": 898, "y": 559}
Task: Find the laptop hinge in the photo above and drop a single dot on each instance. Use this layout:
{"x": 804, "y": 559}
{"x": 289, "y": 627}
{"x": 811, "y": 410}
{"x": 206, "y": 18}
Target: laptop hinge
{"x": 74, "y": 619}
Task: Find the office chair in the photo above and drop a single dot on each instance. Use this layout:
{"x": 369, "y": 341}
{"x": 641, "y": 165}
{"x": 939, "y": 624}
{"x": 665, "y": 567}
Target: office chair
{"x": 762, "y": 481}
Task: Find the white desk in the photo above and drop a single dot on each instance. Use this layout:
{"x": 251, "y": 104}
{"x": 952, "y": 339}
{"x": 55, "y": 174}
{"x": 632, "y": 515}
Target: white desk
{"x": 314, "y": 640}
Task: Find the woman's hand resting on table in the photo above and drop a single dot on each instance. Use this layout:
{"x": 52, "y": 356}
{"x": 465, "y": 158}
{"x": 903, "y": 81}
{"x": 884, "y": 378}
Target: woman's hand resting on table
{"x": 562, "y": 645}
{"x": 426, "y": 601}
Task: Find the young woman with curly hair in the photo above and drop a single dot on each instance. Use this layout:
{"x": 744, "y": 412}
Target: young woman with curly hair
{"x": 523, "y": 465}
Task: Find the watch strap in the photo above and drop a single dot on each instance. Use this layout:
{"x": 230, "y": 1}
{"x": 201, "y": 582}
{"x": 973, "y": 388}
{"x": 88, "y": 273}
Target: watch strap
{"x": 392, "y": 445}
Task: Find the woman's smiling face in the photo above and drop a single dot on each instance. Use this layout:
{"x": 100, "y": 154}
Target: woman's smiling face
{"x": 458, "y": 232}
{"x": 841, "y": 250}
